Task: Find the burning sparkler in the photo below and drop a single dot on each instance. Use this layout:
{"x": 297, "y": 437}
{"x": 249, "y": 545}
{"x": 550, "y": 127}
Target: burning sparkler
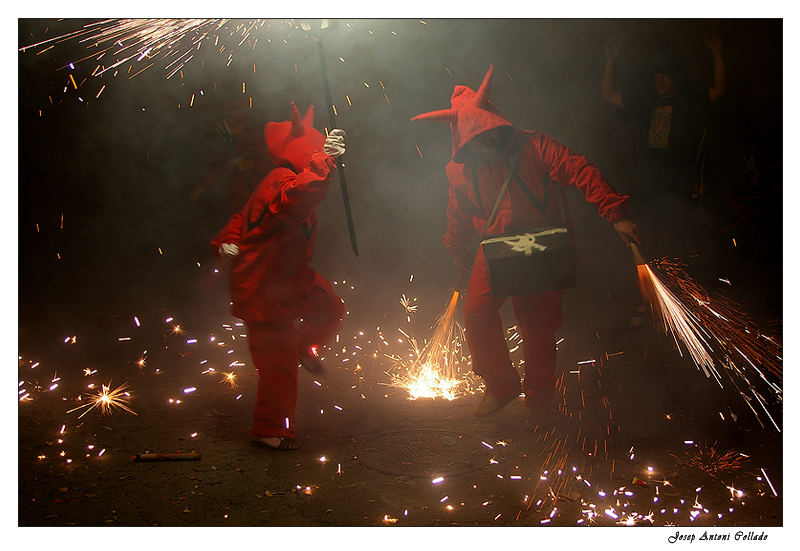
{"x": 716, "y": 334}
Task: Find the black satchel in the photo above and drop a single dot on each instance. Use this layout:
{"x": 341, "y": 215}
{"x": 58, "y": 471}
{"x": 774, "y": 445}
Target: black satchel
{"x": 532, "y": 261}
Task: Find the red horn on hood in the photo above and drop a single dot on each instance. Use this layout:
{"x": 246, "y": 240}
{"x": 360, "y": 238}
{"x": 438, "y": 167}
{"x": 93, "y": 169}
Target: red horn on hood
{"x": 482, "y": 96}
{"x": 446, "y": 115}
{"x": 297, "y": 124}
{"x": 308, "y": 119}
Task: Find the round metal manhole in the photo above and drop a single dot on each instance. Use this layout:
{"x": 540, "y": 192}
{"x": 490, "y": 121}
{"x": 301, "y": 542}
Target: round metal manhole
{"x": 424, "y": 452}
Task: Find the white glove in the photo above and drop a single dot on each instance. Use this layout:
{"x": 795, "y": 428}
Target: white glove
{"x": 334, "y": 144}
{"x": 228, "y": 250}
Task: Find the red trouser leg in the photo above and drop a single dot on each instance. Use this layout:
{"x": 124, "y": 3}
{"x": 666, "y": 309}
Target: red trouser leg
{"x": 273, "y": 347}
{"x": 322, "y": 315}
{"x": 538, "y": 318}
{"x": 484, "y": 331}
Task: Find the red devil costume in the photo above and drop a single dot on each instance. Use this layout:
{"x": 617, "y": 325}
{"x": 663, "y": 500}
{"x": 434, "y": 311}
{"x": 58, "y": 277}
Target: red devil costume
{"x": 533, "y": 199}
{"x": 287, "y": 306}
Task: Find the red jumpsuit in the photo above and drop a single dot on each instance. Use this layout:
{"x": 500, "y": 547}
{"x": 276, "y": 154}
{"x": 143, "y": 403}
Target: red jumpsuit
{"x": 544, "y": 165}
{"x": 286, "y": 305}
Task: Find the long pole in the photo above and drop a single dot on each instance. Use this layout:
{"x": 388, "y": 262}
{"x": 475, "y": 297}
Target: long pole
{"x": 342, "y": 181}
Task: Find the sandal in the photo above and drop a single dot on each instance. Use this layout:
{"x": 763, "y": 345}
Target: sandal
{"x": 277, "y": 442}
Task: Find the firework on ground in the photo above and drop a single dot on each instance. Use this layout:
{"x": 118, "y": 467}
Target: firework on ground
{"x": 719, "y": 337}
{"x": 107, "y": 400}
{"x": 435, "y": 369}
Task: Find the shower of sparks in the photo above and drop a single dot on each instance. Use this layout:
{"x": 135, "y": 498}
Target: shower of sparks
{"x": 133, "y": 40}
{"x": 713, "y": 462}
{"x": 433, "y": 371}
{"x": 677, "y": 319}
{"x": 718, "y": 336}
{"x": 106, "y": 400}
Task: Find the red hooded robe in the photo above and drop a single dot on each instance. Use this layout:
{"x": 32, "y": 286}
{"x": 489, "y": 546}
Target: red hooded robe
{"x": 271, "y": 284}
{"x": 532, "y": 199}
{"x": 276, "y": 229}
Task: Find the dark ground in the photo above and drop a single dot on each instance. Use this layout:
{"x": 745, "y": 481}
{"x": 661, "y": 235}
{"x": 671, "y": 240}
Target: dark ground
{"x": 381, "y": 451}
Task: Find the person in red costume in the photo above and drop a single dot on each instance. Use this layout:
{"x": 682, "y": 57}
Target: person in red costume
{"x": 483, "y": 139}
{"x": 288, "y": 308}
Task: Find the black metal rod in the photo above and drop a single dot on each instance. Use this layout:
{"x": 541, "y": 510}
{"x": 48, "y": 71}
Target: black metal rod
{"x": 332, "y": 116}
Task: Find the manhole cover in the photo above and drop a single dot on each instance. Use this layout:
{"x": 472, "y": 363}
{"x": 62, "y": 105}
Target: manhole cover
{"x": 424, "y": 452}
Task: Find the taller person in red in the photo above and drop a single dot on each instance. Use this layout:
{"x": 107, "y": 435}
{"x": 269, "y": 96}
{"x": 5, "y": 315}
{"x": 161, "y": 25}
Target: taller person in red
{"x": 288, "y": 308}
{"x": 483, "y": 141}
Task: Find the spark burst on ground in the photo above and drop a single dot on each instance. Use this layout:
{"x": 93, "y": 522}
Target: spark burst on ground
{"x": 717, "y": 334}
{"x": 434, "y": 370}
{"x": 229, "y": 378}
{"x": 107, "y": 400}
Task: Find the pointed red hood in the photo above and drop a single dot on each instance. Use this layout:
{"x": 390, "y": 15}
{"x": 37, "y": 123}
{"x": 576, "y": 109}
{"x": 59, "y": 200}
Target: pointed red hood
{"x": 470, "y": 114}
{"x": 291, "y": 143}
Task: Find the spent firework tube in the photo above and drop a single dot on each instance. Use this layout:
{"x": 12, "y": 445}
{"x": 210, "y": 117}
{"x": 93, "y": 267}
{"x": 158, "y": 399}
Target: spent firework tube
{"x": 190, "y": 456}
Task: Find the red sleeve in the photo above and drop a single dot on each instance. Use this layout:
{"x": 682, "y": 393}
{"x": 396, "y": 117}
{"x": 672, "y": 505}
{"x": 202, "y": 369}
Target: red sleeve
{"x": 301, "y": 193}
{"x": 570, "y": 169}
{"x": 290, "y": 197}
{"x": 459, "y": 221}
{"x": 229, "y": 234}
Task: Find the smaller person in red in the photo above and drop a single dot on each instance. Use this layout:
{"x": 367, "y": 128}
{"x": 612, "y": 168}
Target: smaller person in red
{"x": 288, "y": 308}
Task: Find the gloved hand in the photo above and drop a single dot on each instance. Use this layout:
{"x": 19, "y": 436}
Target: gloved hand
{"x": 334, "y": 144}
{"x": 228, "y": 250}
{"x": 627, "y": 230}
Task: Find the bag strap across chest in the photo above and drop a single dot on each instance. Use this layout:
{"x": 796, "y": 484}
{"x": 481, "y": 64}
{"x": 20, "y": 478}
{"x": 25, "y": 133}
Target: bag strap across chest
{"x": 540, "y": 205}
{"x": 512, "y": 168}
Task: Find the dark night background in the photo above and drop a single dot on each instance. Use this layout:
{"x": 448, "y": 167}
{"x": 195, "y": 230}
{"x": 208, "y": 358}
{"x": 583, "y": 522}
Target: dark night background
{"x": 138, "y": 169}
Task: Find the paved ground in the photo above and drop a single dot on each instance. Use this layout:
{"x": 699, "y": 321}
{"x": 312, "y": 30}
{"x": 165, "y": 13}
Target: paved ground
{"x": 639, "y": 439}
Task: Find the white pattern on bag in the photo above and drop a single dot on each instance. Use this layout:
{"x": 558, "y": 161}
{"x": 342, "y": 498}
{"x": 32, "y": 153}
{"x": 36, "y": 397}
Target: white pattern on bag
{"x": 525, "y": 242}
